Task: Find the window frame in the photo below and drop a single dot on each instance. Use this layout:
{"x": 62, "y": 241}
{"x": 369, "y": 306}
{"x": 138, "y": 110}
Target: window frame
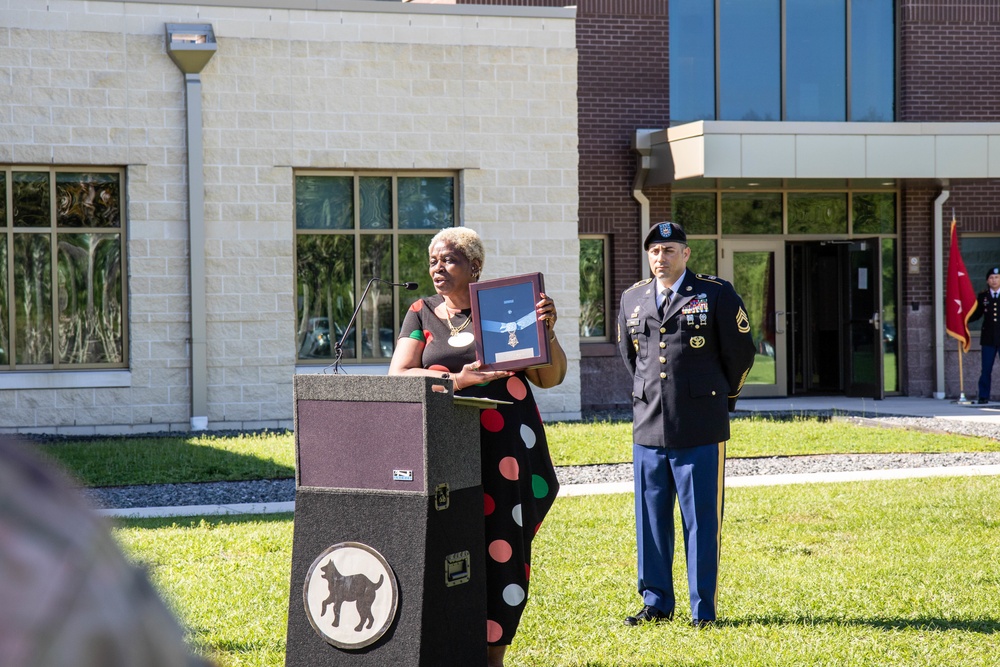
{"x": 851, "y": 78}
{"x": 8, "y": 230}
{"x": 356, "y": 232}
{"x": 606, "y": 244}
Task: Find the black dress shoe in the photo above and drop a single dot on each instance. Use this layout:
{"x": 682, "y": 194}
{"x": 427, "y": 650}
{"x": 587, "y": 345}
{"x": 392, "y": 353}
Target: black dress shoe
{"x": 702, "y": 624}
{"x": 648, "y": 615}
{"x": 983, "y": 401}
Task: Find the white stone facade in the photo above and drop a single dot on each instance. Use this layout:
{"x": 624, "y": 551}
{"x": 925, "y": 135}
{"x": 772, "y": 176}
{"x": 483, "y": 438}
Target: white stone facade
{"x": 487, "y": 92}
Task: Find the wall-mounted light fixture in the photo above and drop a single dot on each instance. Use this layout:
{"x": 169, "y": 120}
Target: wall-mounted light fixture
{"x": 190, "y": 45}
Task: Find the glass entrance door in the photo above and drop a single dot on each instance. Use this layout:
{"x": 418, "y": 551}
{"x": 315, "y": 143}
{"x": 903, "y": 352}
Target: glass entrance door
{"x": 864, "y": 320}
{"x": 757, "y": 270}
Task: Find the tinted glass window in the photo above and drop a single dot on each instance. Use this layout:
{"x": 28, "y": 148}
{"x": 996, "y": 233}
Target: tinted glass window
{"x": 703, "y": 256}
{"x": 816, "y": 65}
{"x": 751, "y": 213}
{"x": 694, "y": 212}
{"x": 592, "y": 288}
{"x": 810, "y": 213}
{"x": 749, "y": 60}
{"x": 872, "y": 60}
{"x": 692, "y": 60}
{"x": 874, "y": 213}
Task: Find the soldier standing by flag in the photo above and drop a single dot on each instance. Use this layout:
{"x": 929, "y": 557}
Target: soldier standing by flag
{"x": 989, "y": 339}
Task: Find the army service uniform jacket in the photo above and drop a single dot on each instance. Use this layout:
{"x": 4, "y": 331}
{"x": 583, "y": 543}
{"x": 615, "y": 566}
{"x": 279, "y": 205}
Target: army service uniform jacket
{"x": 989, "y": 310}
{"x": 688, "y": 368}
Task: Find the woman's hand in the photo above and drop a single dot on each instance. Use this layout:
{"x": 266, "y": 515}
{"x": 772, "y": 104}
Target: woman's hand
{"x": 470, "y": 375}
{"x": 555, "y": 372}
{"x": 546, "y": 309}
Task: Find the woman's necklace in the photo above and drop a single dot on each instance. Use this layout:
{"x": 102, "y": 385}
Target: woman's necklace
{"x": 458, "y": 337}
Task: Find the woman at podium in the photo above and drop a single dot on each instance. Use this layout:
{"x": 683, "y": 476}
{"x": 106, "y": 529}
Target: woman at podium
{"x": 519, "y": 480}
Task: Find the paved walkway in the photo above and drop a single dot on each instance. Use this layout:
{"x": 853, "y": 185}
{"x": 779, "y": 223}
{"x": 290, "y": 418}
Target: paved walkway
{"x": 895, "y": 406}
{"x": 867, "y": 407}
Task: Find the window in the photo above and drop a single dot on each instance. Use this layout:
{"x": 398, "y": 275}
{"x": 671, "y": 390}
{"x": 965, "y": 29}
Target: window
{"x": 62, "y": 301}
{"x": 593, "y": 288}
{"x": 791, "y": 206}
{"x": 804, "y": 60}
{"x": 350, "y": 228}
{"x": 751, "y": 212}
{"x": 980, "y": 253}
{"x": 817, "y": 213}
{"x": 816, "y": 60}
{"x": 692, "y": 59}
{"x": 749, "y": 60}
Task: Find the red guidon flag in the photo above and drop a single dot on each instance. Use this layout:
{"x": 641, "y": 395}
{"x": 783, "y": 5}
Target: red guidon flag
{"x": 960, "y": 298}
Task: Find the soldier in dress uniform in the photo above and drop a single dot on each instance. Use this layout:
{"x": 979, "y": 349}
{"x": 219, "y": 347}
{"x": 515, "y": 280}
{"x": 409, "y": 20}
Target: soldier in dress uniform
{"x": 989, "y": 339}
{"x": 686, "y": 341}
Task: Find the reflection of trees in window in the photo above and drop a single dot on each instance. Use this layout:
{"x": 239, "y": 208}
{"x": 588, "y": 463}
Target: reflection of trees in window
{"x": 33, "y": 299}
{"x": 337, "y": 255}
{"x": 30, "y": 196}
{"x": 80, "y": 318}
{"x": 694, "y": 212}
{"x": 753, "y": 276}
{"x": 4, "y": 291}
{"x": 703, "y": 256}
{"x": 751, "y": 213}
{"x": 377, "y": 335}
{"x": 376, "y": 202}
{"x": 592, "y": 293}
{"x": 820, "y": 213}
{"x": 413, "y": 265}
{"x": 426, "y": 202}
{"x": 874, "y": 213}
{"x": 324, "y": 202}
{"x": 325, "y": 270}
{"x": 87, "y": 200}
{"x": 90, "y": 298}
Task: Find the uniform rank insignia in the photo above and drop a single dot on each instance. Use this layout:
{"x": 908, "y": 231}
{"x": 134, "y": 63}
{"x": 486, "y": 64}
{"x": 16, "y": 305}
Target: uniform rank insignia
{"x": 742, "y": 322}
{"x": 697, "y": 341}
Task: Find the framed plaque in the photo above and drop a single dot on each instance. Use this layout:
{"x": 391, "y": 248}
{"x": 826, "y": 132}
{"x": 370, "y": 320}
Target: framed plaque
{"x": 508, "y": 333}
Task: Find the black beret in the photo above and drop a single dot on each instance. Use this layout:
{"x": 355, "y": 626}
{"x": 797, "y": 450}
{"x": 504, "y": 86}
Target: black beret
{"x": 994, "y": 270}
{"x": 664, "y": 231}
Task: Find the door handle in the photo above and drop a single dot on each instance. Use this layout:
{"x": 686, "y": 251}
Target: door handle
{"x": 779, "y": 321}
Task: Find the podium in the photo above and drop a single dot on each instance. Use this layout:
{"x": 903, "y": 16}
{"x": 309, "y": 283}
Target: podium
{"x": 388, "y": 555}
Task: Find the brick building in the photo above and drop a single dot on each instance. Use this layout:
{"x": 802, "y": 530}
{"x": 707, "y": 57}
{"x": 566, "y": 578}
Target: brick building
{"x": 815, "y": 152}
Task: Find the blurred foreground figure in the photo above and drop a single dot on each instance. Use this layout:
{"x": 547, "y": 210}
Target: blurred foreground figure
{"x": 68, "y": 597}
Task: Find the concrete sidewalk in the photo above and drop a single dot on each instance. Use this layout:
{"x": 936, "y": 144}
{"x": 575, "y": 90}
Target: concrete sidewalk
{"x": 569, "y": 490}
{"x": 865, "y": 407}
{"x": 894, "y": 406}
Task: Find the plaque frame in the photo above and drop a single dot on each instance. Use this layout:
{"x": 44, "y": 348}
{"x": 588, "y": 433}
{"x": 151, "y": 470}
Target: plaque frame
{"x": 511, "y": 339}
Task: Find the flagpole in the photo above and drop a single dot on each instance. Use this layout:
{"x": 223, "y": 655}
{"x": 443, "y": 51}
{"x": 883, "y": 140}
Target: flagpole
{"x": 961, "y": 381}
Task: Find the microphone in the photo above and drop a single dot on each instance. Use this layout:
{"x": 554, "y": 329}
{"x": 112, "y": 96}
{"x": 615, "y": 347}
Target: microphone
{"x": 339, "y": 346}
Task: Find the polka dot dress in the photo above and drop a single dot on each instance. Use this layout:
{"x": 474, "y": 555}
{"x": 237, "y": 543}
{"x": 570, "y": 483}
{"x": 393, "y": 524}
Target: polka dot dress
{"x": 519, "y": 481}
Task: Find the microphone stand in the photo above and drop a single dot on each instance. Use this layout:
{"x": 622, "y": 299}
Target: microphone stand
{"x": 339, "y": 345}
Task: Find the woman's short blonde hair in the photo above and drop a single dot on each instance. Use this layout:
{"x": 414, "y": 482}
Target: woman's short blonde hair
{"x": 465, "y": 241}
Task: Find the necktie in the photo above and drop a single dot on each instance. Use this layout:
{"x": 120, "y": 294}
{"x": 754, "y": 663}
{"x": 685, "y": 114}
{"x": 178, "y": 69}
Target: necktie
{"x": 666, "y": 301}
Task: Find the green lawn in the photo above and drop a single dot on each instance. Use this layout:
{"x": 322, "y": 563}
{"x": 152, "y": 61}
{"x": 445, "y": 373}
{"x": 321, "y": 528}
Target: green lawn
{"x": 611, "y": 442}
{"x": 875, "y": 573}
{"x": 120, "y": 461}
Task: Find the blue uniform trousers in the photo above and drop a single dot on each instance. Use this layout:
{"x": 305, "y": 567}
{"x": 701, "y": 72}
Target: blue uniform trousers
{"x": 694, "y": 476}
{"x": 986, "y": 376}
